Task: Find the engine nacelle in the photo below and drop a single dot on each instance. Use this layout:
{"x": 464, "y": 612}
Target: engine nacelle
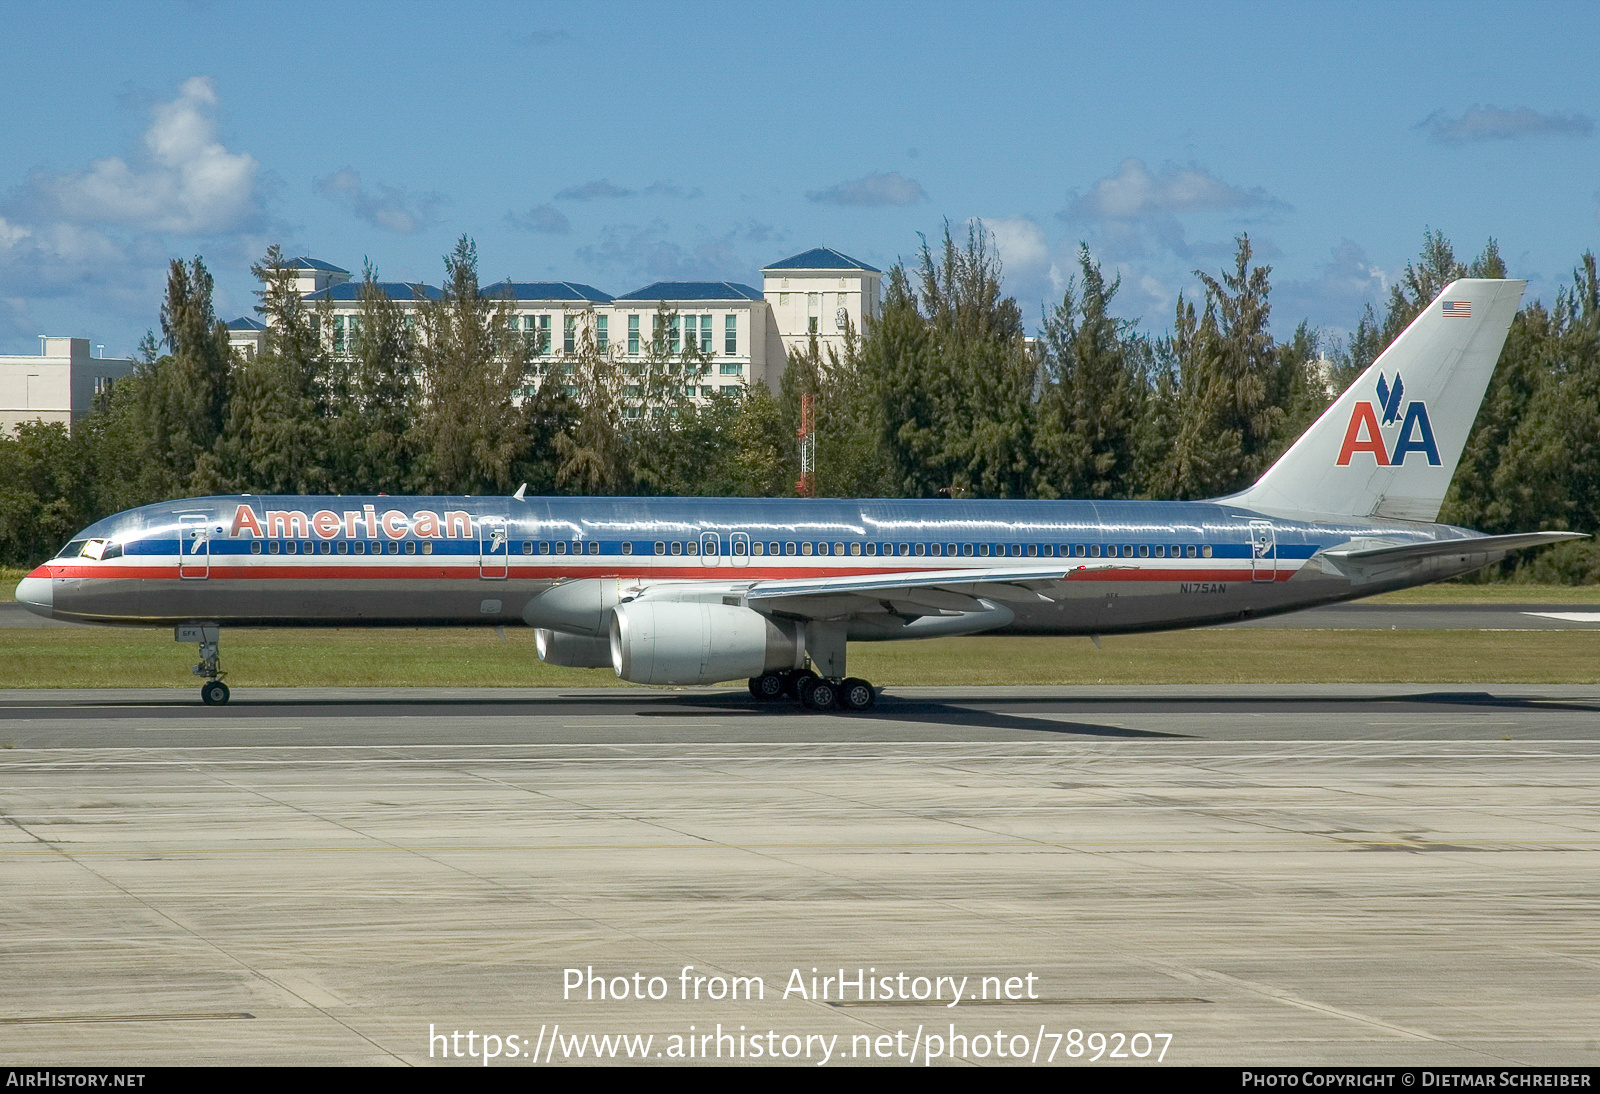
{"x": 577, "y": 607}
{"x": 574, "y": 651}
{"x": 672, "y": 642}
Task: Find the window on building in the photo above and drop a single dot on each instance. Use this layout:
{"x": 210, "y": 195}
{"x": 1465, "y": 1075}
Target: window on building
{"x": 730, "y": 336}
{"x": 705, "y": 334}
{"x": 811, "y": 325}
{"x": 731, "y": 368}
{"x": 673, "y": 325}
{"x": 338, "y": 334}
{"x": 633, "y": 336}
{"x": 601, "y": 332}
{"x": 569, "y": 334}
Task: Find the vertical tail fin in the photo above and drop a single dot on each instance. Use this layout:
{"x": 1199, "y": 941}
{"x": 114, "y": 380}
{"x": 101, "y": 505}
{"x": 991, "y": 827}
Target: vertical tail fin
{"x": 1388, "y": 447}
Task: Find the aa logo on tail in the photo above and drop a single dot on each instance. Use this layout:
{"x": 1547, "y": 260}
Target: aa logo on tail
{"x": 1364, "y": 434}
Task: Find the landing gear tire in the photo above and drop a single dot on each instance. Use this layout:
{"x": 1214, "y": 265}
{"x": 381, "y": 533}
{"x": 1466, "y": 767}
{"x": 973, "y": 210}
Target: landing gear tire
{"x": 214, "y": 693}
{"x": 856, "y": 695}
{"x": 819, "y": 694}
{"x": 795, "y": 680}
{"x": 768, "y": 687}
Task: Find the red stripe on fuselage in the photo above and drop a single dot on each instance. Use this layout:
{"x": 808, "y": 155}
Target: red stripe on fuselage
{"x": 321, "y": 571}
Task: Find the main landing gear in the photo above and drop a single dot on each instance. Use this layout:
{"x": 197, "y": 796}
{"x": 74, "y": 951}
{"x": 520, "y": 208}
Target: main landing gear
{"x": 815, "y": 692}
{"x": 213, "y": 693}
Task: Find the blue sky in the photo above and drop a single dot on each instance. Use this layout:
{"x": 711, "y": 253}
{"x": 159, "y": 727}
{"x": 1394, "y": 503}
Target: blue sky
{"x": 624, "y": 143}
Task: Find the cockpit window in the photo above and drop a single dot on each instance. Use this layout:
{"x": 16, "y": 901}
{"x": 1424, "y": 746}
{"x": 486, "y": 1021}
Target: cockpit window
{"x": 72, "y": 550}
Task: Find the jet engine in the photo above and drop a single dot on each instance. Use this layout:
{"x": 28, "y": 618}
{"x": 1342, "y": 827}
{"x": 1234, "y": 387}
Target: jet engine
{"x": 673, "y": 642}
{"x": 574, "y": 651}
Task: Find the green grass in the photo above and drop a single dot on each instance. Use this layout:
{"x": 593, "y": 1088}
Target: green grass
{"x": 1497, "y": 593}
{"x": 116, "y": 657}
{"x": 8, "y": 583}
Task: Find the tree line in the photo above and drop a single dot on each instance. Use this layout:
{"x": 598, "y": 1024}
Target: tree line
{"x": 944, "y": 394}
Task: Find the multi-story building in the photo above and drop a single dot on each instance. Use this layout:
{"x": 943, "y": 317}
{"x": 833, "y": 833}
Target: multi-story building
{"x": 740, "y": 334}
{"x": 823, "y": 293}
{"x": 58, "y": 385}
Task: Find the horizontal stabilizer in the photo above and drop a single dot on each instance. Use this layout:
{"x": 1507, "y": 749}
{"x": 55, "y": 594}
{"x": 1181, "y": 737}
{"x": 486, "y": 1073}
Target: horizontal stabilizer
{"x": 1366, "y": 560}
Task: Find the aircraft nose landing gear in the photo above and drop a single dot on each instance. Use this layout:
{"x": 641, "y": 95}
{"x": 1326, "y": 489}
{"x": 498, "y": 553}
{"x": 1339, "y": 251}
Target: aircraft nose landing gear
{"x": 207, "y": 635}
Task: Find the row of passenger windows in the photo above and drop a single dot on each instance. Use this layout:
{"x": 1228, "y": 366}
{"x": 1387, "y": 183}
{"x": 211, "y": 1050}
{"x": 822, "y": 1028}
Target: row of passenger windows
{"x": 738, "y": 547}
{"x": 342, "y": 547}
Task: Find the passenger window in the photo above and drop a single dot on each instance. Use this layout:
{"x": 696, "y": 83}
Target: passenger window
{"x": 1161, "y": 551}
{"x": 291, "y": 547}
{"x": 788, "y": 548}
{"x": 855, "y": 548}
{"x": 922, "y": 548}
{"x": 394, "y": 547}
{"x": 527, "y": 547}
{"x": 359, "y": 547}
{"x": 1190, "y": 550}
{"x": 427, "y": 547}
{"x": 905, "y": 548}
{"x": 966, "y": 549}
{"x": 411, "y": 546}
{"x": 594, "y": 546}
{"x": 822, "y": 548}
{"x": 1144, "y": 550}
{"x": 838, "y": 548}
{"x": 272, "y": 547}
{"x": 805, "y": 548}
{"x": 1205, "y": 551}
{"x": 1078, "y": 550}
{"x": 561, "y": 547}
{"x": 951, "y": 549}
{"x": 627, "y": 547}
{"x": 344, "y": 547}
{"x": 774, "y": 549}
{"x": 661, "y": 547}
{"x": 1127, "y": 550}
{"x": 1033, "y": 550}
{"x": 1094, "y": 550}
{"x": 757, "y": 547}
{"x": 738, "y": 547}
{"x": 691, "y": 548}
{"x": 255, "y": 546}
{"x": 983, "y": 549}
{"x": 677, "y": 547}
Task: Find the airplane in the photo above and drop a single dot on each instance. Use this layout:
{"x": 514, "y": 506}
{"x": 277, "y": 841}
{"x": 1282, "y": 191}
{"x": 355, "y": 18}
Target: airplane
{"x": 706, "y": 590}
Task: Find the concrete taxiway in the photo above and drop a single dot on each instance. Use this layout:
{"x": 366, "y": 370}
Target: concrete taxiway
{"x": 1269, "y": 875}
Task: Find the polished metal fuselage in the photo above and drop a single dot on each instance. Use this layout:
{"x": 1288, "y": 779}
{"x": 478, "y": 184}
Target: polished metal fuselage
{"x": 421, "y": 561}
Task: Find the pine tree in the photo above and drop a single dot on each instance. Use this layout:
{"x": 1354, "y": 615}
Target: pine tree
{"x": 1092, "y": 398}
{"x": 276, "y": 440}
{"x": 471, "y": 428}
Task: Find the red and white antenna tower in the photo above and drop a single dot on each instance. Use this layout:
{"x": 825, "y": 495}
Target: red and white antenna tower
{"x": 807, "y": 486}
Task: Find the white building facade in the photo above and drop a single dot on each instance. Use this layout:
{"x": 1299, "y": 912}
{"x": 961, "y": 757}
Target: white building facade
{"x": 59, "y": 385}
{"x": 743, "y": 334}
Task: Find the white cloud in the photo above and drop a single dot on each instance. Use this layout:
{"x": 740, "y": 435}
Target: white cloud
{"x": 644, "y": 252}
{"x": 183, "y": 179}
{"x": 1134, "y": 193}
{"x": 390, "y": 208}
{"x": 1495, "y": 123}
{"x": 542, "y": 218}
{"x": 1018, "y": 241}
{"x": 890, "y": 188}
{"x": 594, "y": 190}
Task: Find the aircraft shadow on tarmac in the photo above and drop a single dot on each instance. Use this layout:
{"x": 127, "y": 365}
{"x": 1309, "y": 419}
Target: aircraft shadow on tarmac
{"x": 1018, "y": 713}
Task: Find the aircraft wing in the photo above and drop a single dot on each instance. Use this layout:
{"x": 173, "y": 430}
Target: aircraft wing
{"x": 929, "y": 591}
{"x": 1371, "y": 561}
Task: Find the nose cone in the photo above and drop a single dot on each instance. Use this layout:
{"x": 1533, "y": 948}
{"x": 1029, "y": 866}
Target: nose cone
{"x": 36, "y": 595}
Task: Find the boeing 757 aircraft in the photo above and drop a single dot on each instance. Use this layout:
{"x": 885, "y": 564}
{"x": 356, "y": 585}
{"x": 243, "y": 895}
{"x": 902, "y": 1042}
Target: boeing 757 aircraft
{"x": 698, "y": 590}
